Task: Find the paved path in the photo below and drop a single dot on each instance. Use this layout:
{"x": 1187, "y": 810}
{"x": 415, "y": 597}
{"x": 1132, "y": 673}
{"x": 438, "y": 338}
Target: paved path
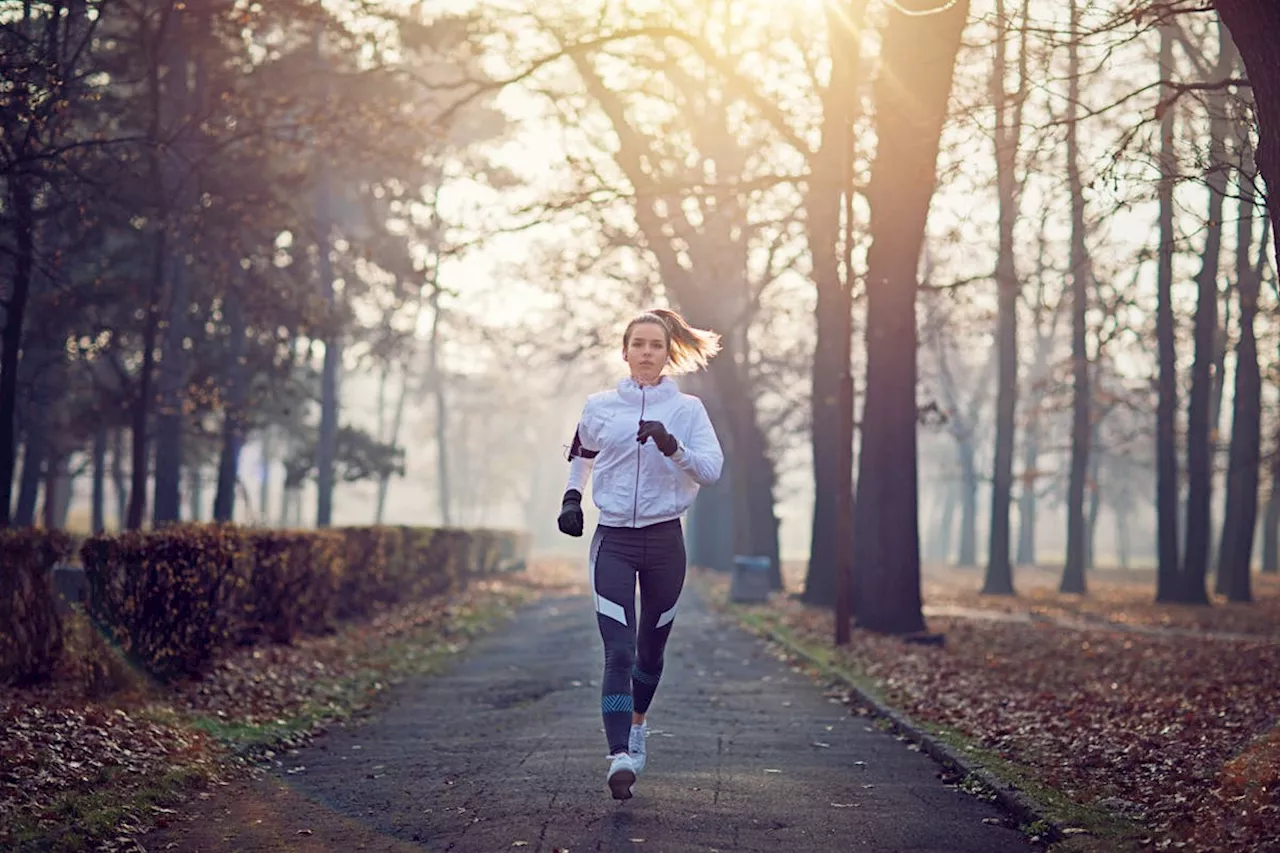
{"x": 505, "y": 753}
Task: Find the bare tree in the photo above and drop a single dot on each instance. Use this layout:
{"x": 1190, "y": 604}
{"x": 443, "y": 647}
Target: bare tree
{"x": 1008, "y": 137}
{"x": 918, "y": 56}
{"x": 1073, "y": 573}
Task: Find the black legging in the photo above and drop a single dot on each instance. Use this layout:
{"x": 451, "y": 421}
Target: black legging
{"x": 633, "y": 658}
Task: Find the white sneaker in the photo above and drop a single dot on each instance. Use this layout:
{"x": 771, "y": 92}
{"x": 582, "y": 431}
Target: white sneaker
{"x": 636, "y": 746}
{"x": 622, "y": 775}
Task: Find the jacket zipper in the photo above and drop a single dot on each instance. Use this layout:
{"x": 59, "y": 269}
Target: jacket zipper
{"x": 635, "y": 502}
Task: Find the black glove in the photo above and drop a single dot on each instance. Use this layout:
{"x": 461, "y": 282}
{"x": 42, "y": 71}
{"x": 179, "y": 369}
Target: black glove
{"x": 570, "y": 520}
{"x": 665, "y": 441}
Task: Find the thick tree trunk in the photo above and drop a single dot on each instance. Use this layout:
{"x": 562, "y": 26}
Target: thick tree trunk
{"x": 840, "y": 106}
{"x": 1073, "y": 572}
{"x": 918, "y": 56}
{"x": 1253, "y": 25}
{"x": 22, "y": 204}
{"x": 1235, "y": 556}
{"x": 1168, "y": 572}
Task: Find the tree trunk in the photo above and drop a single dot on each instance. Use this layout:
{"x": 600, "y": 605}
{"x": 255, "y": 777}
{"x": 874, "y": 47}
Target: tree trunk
{"x": 1073, "y": 571}
{"x": 159, "y": 269}
{"x": 1271, "y": 528}
{"x": 119, "y": 481}
{"x": 141, "y": 456}
{"x": 326, "y": 445}
{"x": 24, "y": 226}
{"x": 1199, "y": 427}
{"x": 968, "y": 555}
{"x": 948, "y": 526}
{"x": 1168, "y": 571}
{"x": 55, "y": 480}
{"x": 1091, "y": 519}
{"x": 1008, "y": 137}
{"x": 936, "y": 544}
{"x": 711, "y": 526}
{"x": 918, "y": 55}
{"x": 1235, "y": 556}
{"x": 711, "y": 517}
{"x": 173, "y": 102}
{"x": 1028, "y": 499}
{"x": 34, "y": 455}
{"x": 444, "y": 491}
{"x": 833, "y": 312}
{"x": 237, "y": 392}
{"x": 98, "y": 508}
{"x": 1122, "y": 536}
{"x": 264, "y": 486}
{"x": 195, "y": 492}
{"x": 1253, "y": 25}
{"x": 755, "y": 529}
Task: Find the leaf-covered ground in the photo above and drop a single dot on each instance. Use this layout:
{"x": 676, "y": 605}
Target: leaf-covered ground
{"x": 1144, "y": 717}
{"x": 81, "y": 767}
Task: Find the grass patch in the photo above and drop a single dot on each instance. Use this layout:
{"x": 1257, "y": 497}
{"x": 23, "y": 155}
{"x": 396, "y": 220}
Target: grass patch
{"x": 1084, "y": 829}
{"x": 78, "y": 821}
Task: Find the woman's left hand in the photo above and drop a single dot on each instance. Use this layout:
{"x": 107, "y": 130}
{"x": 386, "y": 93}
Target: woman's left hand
{"x": 665, "y": 441}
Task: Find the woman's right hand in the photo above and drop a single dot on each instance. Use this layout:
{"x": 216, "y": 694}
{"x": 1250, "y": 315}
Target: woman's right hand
{"x": 570, "y": 520}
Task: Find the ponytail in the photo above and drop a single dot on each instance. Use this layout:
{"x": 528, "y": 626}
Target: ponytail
{"x": 688, "y": 349}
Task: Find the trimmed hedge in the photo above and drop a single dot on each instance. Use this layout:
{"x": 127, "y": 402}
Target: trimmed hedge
{"x": 174, "y": 598}
{"x": 31, "y": 636}
{"x": 169, "y": 598}
{"x": 294, "y": 583}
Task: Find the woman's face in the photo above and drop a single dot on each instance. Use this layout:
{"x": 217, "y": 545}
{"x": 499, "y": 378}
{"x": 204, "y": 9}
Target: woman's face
{"x": 645, "y": 352}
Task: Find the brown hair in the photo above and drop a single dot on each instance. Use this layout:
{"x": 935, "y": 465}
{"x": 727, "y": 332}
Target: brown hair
{"x": 688, "y": 349}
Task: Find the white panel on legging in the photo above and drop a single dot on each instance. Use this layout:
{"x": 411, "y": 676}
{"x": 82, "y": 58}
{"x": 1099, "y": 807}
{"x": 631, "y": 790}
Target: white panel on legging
{"x": 614, "y": 611}
{"x": 603, "y": 605}
{"x": 668, "y": 617}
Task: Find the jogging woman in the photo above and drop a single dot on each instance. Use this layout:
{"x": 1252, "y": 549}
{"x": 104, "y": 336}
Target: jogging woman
{"x": 650, "y": 447}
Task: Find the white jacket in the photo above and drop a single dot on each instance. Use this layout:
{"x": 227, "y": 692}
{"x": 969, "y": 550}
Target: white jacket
{"x": 635, "y": 485}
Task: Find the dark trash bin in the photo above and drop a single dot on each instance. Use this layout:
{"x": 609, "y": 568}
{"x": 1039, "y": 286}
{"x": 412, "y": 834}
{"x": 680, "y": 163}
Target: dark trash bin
{"x": 750, "y": 584}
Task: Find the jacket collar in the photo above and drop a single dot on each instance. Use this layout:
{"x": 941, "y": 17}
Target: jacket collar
{"x": 630, "y": 391}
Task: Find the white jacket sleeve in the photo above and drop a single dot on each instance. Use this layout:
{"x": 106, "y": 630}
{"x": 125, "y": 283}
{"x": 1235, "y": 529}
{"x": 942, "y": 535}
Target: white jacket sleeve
{"x": 582, "y": 454}
{"x": 580, "y": 468}
{"x": 699, "y": 455}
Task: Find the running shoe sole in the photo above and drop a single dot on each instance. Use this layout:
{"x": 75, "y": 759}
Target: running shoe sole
{"x": 620, "y": 784}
